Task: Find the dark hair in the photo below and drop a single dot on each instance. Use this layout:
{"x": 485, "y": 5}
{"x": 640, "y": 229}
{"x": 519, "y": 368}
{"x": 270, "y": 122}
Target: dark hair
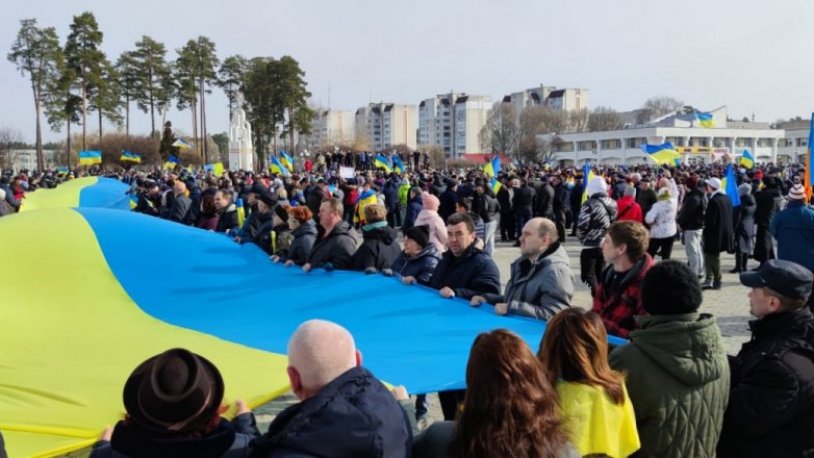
{"x": 670, "y": 287}
{"x": 208, "y": 207}
{"x": 465, "y": 203}
{"x": 510, "y": 407}
{"x": 633, "y": 235}
{"x": 575, "y": 349}
{"x": 457, "y": 218}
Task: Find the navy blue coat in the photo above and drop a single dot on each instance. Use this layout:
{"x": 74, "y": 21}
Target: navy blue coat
{"x": 421, "y": 267}
{"x": 354, "y": 416}
{"x": 471, "y": 274}
{"x": 414, "y": 207}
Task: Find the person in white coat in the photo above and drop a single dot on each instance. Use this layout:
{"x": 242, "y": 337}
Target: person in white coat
{"x": 662, "y": 221}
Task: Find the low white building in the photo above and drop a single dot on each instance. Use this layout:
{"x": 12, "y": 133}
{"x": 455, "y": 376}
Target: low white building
{"x": 695, "y": 143}
{"x": 26, "y": 159}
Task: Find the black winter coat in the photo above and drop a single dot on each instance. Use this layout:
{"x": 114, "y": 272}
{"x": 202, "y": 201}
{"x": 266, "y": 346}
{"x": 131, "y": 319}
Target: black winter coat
{"x": 771, "y": 401}
{"x": 471, "y": 274}
{"x": 379, "y": 249}
{"x": 691, "y": 216}
{"x": 337, "y": 248}
{"x": 353, "y": 416}
{"x": 744, "y": 216}
{"x": 719, "y": 235}
{"x": 768, "y": 204}
{"x": 229, "y": 440}
{"x": 448, "y": 200}
{"x": 314, "y": 199}
{"x": 420, "y": 267}
{"x": 414, "y": 207}
{"x": 523, "y": 201}
{"x": 227, "y": 219}
{"x": 544, "y": 202}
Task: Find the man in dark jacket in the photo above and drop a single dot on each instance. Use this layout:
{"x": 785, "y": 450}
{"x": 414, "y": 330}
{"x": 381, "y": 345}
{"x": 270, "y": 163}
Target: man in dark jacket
{"x": 719, "y": 235}
{"x": 379, "y": 248}
{"x": 464, "y": 271}
{"x": 676, "y": 367}
{"x": 646, "y": 197}
{"x": 691, "y": 221}
{"x": 771, "y": 401}
{"x": 504, "y": 199}
{"x": 560, "y": 205}
{"x": 181, "y": 204}
{"x": 391, "y": 200}
{"x": 336, "y": 242}
{"x": 522, "y": 204}
{"x": 343, "y": 410}
{"x": 315, "y": 197}
{"x": 227, "y": 211}
{"x": 542, "y": 283}
{"x": 544, "y": 199}
{"x": 448, "y": 200}
{"x": 768, "y": 204}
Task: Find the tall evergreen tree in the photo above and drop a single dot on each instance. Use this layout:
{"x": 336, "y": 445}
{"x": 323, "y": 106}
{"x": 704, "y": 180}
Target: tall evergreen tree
{"x": 230, "y": 78}
{"x": 294, "y": 96}
{"x": 36, "y": 52}
{"x": 105, "y": 96}
{"x": 128, "y": 82}
{"x": 62, "y": 105}
{"x": 200, "y": 61}
{"x": 153, "y": 70}
{"x": 85, "y": 58}
{"x": 263, "y": 109}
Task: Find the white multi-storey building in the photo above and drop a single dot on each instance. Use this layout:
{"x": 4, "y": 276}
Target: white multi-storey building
{"x": 387, "y": 125}
{"x": 332, "y": 127}
{"x": 794, "y": 145}
{"x": 569, "y": 99}
{"x": 727, "y": 139}
{"x": 454, "y": 122}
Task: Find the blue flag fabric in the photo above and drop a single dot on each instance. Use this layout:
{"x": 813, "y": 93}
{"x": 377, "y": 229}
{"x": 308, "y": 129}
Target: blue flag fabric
{"x": 730, "y": 185}
{"x": 398, "y": 166}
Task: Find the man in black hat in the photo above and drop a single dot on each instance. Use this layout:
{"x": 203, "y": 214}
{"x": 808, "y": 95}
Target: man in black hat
{"x": 771, "y": 400}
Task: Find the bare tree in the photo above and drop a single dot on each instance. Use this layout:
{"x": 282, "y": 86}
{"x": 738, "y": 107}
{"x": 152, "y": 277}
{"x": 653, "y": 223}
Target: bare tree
{"x": 9, "y": 140}
{"x": 604, "y": 118}
{"x": 578, "y": 120}
{"x": 655, "y": 107}
{"x": 501, "y": 133}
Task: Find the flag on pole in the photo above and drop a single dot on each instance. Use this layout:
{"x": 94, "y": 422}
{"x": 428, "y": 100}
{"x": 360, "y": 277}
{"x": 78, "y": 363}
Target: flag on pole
{"x": 287, "y": 160}
{"x": 90, "y": 157}
{"x": 383, "y": 163}
{"x": 492, "y": 168}
{"x": 664, "y": 154}
{"x": 171, "y": 162}
{"x": 730, "y": 186}
{"x": 277, "y": 167}
{"x": 181, "y": 144}
{"x": 398, "y": 166}
{"x": 129, "y": 156}
{"x": 747, "y": 160}
{"x": 216, "y": 168}
{"x": 587, "y": 176}
{"x": 705, "y": 119}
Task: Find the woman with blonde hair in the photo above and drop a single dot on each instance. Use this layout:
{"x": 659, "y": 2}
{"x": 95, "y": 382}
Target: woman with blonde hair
{"x": 510, "y": 408}
{"x": 593, "y": 398}
{"x": 429, "y": 216}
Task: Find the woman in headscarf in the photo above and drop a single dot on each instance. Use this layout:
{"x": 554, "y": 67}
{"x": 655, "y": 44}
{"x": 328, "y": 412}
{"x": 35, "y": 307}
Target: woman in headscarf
{"x": 429, "y": 216}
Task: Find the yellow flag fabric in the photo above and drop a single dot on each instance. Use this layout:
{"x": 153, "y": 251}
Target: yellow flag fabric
{"x": 69, "y": 347}
{"x": 597, "y": 425}
{"x": 66, "y": 196}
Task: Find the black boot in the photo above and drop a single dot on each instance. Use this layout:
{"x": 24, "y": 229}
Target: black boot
{"x": 738, "y": 267}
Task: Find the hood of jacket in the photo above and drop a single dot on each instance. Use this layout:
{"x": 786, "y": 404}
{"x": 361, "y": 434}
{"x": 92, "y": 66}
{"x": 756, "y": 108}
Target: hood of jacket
{"x": 307, "y": 228}
{"x": 686, "y": 346}
{"x": 555, "y": 254}
{"x": 386, "y": 235}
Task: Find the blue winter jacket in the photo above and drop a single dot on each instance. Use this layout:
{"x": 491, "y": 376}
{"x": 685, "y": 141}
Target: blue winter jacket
{"x": 420, "y": 267}
{"x": 793, "y": 228}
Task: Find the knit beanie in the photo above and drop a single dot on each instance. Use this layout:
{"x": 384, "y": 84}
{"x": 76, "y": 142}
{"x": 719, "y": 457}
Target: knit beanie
{"x": 597, "y": 185}
{"x": 670, "y": 288}
{"x": 419, "y": 234}
{"x": 797, "y": 192}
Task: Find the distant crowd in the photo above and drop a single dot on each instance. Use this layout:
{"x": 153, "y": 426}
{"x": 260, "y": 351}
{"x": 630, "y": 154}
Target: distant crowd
{"x": 671, "y": 391}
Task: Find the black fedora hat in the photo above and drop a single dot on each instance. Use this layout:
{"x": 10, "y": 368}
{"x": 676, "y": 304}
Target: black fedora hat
{"x": 174, "y": 391}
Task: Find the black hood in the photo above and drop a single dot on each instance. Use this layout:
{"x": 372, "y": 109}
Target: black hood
{"x": 386, "y": 235}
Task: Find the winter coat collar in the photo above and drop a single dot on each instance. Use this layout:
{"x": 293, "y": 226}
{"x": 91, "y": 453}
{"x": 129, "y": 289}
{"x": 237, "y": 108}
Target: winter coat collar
{"x": 796, "y": 322}
{"x": 132, "y": 440}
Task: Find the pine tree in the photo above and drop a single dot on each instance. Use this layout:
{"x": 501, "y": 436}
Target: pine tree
{"x": 85, "y": 58}
{"x": 152, "y": 71}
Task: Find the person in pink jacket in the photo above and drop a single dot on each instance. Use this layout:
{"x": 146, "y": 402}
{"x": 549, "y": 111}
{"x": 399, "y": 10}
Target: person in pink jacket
{"x": 429, "y": 216}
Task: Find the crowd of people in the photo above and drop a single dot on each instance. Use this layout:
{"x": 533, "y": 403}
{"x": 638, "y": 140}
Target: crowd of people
{"x": 672, "y": 391}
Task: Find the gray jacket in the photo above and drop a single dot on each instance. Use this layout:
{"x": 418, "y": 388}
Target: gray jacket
{"x": 539, "y": 290}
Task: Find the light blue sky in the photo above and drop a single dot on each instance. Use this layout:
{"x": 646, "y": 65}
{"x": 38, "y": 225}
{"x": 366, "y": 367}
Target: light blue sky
{"x": 753, "y": 55}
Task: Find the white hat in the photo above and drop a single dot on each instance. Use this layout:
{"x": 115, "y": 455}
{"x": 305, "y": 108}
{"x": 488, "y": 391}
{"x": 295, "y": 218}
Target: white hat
{"x": 597, "y": 185}
{"x": 797, "y": 192}
{"x": 714, "y": 183}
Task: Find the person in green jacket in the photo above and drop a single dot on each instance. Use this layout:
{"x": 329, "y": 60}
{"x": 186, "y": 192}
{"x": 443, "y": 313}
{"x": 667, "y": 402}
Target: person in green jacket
{"x": 677, "y": 369}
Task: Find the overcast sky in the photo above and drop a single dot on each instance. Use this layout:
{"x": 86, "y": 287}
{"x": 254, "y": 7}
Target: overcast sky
{"x": 752, "y": 55}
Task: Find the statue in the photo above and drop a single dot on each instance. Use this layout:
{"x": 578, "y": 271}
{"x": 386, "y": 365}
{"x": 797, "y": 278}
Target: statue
{"x": 241, "y": 152}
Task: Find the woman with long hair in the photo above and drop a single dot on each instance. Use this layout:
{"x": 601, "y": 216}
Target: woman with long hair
{"x": 593, "y": 398}
{"x": 510, "y": 408}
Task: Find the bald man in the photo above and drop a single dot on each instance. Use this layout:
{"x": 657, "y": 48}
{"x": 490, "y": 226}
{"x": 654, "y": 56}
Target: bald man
{"x": 542, "y": 282}
{"x": 344, "y": 411}
{"x": 180, "y": 205}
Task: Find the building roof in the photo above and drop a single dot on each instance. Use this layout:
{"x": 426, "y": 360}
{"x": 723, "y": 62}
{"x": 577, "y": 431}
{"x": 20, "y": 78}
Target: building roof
{"x": 556, "y": 94}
